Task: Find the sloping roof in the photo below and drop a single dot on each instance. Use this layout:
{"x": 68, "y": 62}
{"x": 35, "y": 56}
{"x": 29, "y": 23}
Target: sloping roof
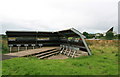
{"x": 76, "y": 33}
{"x": 73, "y": 32}
{"x": 110, "y": 30}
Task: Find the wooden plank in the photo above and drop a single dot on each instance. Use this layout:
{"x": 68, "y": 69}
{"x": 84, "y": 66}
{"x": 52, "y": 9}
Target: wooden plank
{"x": 46, "y": 53}
{"x": 30, "y": 52}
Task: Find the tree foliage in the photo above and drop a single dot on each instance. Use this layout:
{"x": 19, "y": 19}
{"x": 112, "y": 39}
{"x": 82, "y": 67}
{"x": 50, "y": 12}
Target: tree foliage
{"x": 85, "y": 34}
{"x": 109, "y": 35}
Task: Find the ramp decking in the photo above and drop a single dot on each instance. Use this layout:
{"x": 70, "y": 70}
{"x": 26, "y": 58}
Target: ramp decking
{"x": 31, "y": 52}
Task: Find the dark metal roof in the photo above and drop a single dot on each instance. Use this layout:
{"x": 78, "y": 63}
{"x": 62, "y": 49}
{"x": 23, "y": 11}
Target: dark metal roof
{"x": 110, "y": 30}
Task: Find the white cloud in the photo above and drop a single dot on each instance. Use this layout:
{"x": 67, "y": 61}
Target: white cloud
{"x": 52, "y": 15}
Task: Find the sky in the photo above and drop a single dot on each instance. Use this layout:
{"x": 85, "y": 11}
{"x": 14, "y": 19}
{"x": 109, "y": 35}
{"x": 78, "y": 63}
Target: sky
{"x": 92, "y": 16}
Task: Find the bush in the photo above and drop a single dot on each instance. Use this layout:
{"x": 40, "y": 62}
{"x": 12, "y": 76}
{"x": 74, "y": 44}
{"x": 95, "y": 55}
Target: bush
{"x": 109, "y": 35}
{"x": 5, "y": 48}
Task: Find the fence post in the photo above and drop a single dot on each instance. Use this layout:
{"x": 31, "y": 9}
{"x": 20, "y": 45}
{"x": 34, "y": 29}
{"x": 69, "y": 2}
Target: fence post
{"x": 18, "y": 45}
{"x": 33, "y": 45}
{"x": 10, "y": 47}
{"x": 26, "y": 45}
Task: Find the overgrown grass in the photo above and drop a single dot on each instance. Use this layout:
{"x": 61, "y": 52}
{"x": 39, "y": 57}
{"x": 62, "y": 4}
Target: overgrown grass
{"x": 4, "y": 45}
{"x": 104, "y": 61}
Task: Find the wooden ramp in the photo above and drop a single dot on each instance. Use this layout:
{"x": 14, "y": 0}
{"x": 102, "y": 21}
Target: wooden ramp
{"x": 31, "y": 52}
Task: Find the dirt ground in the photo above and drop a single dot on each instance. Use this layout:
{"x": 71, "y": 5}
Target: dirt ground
{"x": 58, "y": 57}
{"x": 4, "y": 57}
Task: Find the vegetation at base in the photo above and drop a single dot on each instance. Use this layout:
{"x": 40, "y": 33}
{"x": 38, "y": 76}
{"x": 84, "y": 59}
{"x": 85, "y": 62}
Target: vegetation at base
{"x": 88, "y": 35}
{"x": 108, "y": 36}
{"x": 4, "y": 45}
{"x": 104, "y": 61}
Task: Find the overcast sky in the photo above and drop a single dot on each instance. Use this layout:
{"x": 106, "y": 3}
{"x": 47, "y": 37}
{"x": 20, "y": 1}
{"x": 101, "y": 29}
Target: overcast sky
{"x": 92, "y": 16}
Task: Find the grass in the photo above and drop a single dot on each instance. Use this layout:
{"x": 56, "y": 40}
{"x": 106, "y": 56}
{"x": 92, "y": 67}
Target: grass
{"x": 4, "y": 45}
{"x": 104, "y": 61}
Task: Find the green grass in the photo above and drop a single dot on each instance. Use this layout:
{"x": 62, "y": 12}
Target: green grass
{"x": 101, "y": 63}
{"x": 4, "y": 45}
{"x": 104, "y": 61}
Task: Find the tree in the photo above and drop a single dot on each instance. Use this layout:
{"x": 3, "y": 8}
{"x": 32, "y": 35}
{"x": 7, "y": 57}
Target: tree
{"x": 91, "y": 36}
{"x": 118, "y": 36}
{"x": 109, "y": 35}
{"x": 85, "y": 34}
